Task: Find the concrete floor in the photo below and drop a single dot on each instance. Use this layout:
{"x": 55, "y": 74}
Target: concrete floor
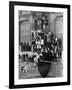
{"x": 56, "y": 70}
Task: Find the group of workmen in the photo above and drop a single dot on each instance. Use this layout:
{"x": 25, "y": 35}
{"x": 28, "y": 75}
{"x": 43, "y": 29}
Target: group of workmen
{"x": 49, "y": 43}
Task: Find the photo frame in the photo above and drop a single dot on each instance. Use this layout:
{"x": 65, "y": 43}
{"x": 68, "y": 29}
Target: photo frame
{"x": 35, "y": 30}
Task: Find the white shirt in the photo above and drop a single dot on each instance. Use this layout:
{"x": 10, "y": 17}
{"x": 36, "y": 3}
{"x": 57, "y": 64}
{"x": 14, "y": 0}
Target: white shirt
{"x": 42, "y": 42}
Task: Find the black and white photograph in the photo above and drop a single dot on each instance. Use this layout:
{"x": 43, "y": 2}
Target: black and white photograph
{"x": 40, "y": 42}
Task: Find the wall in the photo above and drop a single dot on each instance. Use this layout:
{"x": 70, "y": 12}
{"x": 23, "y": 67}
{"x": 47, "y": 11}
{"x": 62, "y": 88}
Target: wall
{"x": 25, "y": 34}
{"x": 56, "y": 23}
{"x": 59, "y": 26}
